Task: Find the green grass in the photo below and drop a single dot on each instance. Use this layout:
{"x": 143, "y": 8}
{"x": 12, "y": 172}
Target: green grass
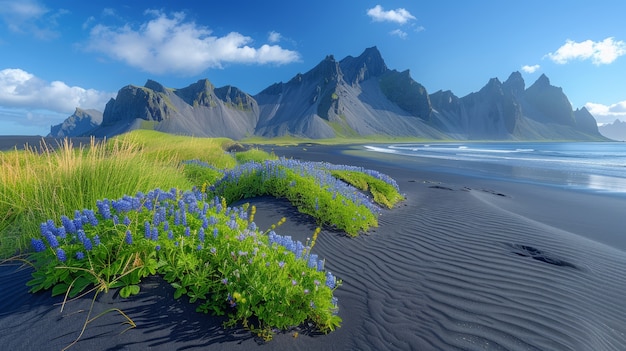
{"x": 383, "y": 193}
{"x": 38, "y": 186}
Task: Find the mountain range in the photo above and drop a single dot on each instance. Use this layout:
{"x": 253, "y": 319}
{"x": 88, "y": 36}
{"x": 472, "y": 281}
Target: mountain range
{"x": 615, "y": 130}
{"x": 356, "y": 96}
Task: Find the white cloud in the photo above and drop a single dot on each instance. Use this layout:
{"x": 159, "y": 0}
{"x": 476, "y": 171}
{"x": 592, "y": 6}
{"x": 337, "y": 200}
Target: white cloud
{"x": 274, "y": 37}
{"x": 400, "y": 15}
{"x": 29, "y": 16}
{"x": 530, "y": 69}
{"x": 20, "y": 89}
{"x": 398, "y": 33}
{"x": 601, "y": 52}
{"x": 170, "y": 44}
{"x": 607, "y": 113}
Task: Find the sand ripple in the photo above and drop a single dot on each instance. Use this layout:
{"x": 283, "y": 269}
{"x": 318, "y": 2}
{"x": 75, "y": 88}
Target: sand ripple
{"x": 459, "y": 273}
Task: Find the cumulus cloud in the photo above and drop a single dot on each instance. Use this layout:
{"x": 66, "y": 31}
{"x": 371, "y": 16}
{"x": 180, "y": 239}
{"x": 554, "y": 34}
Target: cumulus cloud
{"x": 274, "y": 37}
{"x": 21, "y": 89}
{"x": 168, "y": 43}
{"x": 607, "y": 113}
{"x": 530, "y": 69}
{"x": 398, "y": 33}
{"x": 601, "y": 52}
{"x": 399, "y": 15}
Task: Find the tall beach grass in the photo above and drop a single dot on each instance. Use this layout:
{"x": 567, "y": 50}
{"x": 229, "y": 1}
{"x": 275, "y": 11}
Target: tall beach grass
{"x": 37, "y": 185}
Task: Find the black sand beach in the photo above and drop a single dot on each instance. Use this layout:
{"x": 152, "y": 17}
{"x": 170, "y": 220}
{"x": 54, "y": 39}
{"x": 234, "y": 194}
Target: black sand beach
{"x": 462, "y": 264}
{"x": 21, "y": 142}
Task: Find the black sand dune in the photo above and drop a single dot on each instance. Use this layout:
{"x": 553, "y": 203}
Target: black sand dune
{"x": 462, "y": 264}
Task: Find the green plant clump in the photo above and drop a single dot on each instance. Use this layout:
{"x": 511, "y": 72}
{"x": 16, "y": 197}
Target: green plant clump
{"x": 307, "y": 185}
{"x": 212, "y": 253}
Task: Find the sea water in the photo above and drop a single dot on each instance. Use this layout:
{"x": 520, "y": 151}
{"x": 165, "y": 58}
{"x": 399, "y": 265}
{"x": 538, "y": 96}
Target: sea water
{"x": 595, "y": 166}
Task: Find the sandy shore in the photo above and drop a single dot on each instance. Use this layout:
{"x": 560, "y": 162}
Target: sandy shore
{"x": 463, "y": 264}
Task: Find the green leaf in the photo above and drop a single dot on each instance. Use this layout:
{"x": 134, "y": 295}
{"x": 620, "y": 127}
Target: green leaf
{"x": 59, "y": 289}
{"x": 129, "y": 290}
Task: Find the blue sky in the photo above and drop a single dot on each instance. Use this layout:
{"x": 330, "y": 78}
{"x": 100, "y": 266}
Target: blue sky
{"x": 62, "y": 54}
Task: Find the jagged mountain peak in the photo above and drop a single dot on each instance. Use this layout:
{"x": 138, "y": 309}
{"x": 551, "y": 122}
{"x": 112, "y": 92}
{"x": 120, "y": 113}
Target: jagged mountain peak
{"x": 515, "y": 83}
{"x": 542, "y": 81}
{"x": 493, "y": 86}
{"x": 369, "y": 64}
{"x": 155, "y": 86}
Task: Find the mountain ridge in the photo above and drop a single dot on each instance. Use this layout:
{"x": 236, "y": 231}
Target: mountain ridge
{"x": 356, "y": 96}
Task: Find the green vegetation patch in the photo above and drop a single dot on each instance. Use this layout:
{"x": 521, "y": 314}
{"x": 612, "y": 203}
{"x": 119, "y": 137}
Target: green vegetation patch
{"x": 384, "y": 193}
{"x": 211, "y": 253}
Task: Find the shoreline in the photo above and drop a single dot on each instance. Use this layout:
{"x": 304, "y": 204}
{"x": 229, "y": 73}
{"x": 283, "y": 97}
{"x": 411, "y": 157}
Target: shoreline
{"x": 463, "y": 262}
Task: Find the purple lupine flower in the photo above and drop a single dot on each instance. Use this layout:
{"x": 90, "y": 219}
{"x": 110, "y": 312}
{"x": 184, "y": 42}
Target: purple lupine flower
{"x": 187, "y": 231}
{"x": 170, "y": 234}
{"x": 96, "y": 240}
{"x": 252, "y": 226}
{"x": 331, "y": 281}
{"x": 81, "y": 236}
{"x": 68, "y": 224}
{"x": 320, "y": 265}
{"x": 126, "y": 221}
{"x": 215, "y": 232}
{"x": 147, "y": 232}
{"x": 201, "y": 234}
{"x": 158, "y": 248}
{"x": 128, "y": 238}
{"x": 52, "y": 239}
{"x": 80, "y": 255}
{"x": 212, "y": 220}
{"x": 299, "y": 249}
{"x": 51, "y": 227}
{"x": 155, "y": 234}
{"x": 37, "y": 245}
{"x": 61, "y": 232}
{"x": 104, "y": 209}
{"x": 213, "y": 250}
{"x": 199, "y": 247}
{"x": 183, "y": 217}
{"x": 116, "y": 220}
{"x": 312, "y": 261}
{"x": 87, "y": 244}
{"x": 61, "y": 255}
{"x": 166, "y": 226}
{"x": 91, "y": 217}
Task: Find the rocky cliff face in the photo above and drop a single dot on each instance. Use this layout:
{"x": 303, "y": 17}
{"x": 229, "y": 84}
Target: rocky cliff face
{"x": 356, "y": 96}
{"x": 509, "y": 111}
{"x": 80, "y": 123}
{"x": 198, "y": 110}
